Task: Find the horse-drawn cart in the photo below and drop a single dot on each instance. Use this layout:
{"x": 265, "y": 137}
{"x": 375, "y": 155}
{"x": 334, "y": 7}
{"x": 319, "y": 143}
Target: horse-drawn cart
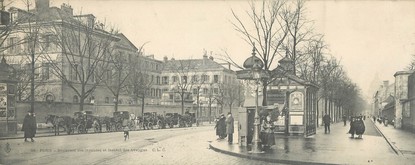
{"x": 85, "y": 120}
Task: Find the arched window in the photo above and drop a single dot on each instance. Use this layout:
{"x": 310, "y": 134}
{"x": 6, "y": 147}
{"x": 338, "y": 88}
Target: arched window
{"x": 49, "y": 98}
{"x": 75, "y": 99}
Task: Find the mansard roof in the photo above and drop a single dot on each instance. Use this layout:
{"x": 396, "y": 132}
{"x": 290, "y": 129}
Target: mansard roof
{"x": 194, "y": 64}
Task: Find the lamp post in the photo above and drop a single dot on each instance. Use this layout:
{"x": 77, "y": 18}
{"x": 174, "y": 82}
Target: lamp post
{"x": 253, "y": 71}
{"x": 256, "y": 141}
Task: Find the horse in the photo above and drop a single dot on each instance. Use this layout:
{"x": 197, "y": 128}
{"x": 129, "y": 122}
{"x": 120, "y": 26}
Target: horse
{"x": 56, "y": 122}
{"x": 68, "y": 123}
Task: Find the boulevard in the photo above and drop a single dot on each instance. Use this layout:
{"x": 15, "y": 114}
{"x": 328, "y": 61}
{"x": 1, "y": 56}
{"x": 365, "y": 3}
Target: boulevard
{"x": 191, "y": 146}
{"x": 164, "y": 146}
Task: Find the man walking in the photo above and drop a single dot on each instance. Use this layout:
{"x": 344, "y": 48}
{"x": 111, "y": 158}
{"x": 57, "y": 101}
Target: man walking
{"x": 29, "y": 126}
{"x": 229, "y": 127}
{"x": 344, "y": 120}
{"x": 326, "y": 120}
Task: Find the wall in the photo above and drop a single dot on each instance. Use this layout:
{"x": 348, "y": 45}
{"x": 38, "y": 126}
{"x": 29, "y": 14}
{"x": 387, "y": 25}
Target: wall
{"x": 42, "y": 109}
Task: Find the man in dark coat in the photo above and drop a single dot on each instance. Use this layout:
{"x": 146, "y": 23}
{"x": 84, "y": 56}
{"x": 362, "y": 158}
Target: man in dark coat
{"x": 352, "y": 129}
{"x": 326, "y": 120}
{"x": 360, "y": 127}
{"x": 221, "y": 127}
{"x": 229, "y": 127}
{"x": 29, "y": 126}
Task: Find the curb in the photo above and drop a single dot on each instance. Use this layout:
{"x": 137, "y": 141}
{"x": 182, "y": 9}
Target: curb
{"x": 257, "y": 157}
{"x": 394, "y": 148}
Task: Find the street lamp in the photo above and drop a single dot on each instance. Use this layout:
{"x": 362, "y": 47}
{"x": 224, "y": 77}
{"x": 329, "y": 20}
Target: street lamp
{"x": 256, "y": 141}
{"x": 254, "y": 71}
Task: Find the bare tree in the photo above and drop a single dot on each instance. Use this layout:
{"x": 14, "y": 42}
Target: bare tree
{"x": 299, "y": 30}
{"x": 139, "y": 81}
{"x": 182, "y": 84}
{"x": 139, "y": 85}
{"x": 85, "y": 47}
{"x": 270, "y": 31}
{"x": 117, "y": 74}
{"x": 411, "y": 65}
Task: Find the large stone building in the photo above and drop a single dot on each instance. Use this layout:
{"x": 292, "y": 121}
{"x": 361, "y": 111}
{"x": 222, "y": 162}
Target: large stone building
{"x": 77, "y": 60}
{"x": 384, "y": 97}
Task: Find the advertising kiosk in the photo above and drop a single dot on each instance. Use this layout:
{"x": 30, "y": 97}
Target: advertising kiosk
{"x": 8, "y": 83}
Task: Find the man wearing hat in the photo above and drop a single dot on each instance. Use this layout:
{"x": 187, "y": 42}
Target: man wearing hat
{"x": 29, "y": 126}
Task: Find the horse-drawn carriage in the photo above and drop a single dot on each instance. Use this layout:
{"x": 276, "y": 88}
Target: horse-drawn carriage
{"x": 118, "y": 117}
{"x": 65, "y": 122}
{"x": 186, "y": 120}
{"x": 172, "y": 119}
{"x": 85, "y": 120}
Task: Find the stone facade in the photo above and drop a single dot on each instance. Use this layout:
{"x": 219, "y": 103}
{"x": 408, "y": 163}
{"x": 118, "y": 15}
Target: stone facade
{"x": 50, "y": 88}
{"x": 401, "y": 93}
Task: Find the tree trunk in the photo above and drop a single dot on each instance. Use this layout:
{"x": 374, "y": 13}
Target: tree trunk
{"x": 142, "y": 109}
{"x": 116, "y": 103}
{"x": 81, "y": 104}
{"x": 182, "y": 102}
{"x": 264, "y": 94}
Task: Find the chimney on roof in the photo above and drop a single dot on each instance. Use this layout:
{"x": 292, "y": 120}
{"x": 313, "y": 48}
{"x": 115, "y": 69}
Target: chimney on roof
{"x": 165, "y": 59}
{"x": 67, "y": 9}
{"x": 42, "y": 5}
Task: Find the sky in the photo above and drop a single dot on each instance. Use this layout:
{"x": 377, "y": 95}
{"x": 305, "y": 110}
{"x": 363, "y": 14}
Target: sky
{"x": 371, "y": 37}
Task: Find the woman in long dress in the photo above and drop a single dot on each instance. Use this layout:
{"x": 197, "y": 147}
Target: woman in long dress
{"x": 268, "y": 132}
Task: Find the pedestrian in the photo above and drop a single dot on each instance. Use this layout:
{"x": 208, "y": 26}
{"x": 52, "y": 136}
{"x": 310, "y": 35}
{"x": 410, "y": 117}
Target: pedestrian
{"x": 221, "y": 127}
{"x": 268, "y": 132}
{"x": 360, "y": 127}
{"x": 352, "y": 129}
{"x": 29, "y": 126}
{"x": 126, "y": 128}
{"x": 229, "y": 127}
{"x": 344, "y": 120}
{"x": 326, "y": 120}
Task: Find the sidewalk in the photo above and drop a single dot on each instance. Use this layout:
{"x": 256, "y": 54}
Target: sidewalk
{"x": 402, "y": 141}
{"x": 333, "y": 148}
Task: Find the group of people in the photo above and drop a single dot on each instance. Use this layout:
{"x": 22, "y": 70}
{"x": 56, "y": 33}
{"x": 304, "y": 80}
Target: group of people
{"x": 357, "y": 127}
{"x": 224, "y": 127}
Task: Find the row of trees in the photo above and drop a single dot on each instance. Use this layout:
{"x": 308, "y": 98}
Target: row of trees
{"x": 280, "y": 28}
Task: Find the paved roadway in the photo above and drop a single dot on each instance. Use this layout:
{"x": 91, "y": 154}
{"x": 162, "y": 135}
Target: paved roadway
{"x": 167, "y": 146}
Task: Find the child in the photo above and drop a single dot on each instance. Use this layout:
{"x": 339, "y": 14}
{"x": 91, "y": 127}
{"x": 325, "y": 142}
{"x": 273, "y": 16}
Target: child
{"x": 125, "y": 125}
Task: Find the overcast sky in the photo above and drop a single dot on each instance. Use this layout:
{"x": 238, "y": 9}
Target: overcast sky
{"x": 369, "y": 37}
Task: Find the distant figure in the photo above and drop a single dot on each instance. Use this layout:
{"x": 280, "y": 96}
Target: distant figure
{"x": 221, "y": 127}
{"x": 126, "y": 128}
{"x": 326, "y": 120}
{"x": 229, "y": 127}
{"x": 352, "y": 129}
{"x": 344, "y": 120}
{"x": 385, "y": 121}
{"x": 359, "y": 127}
{"x": 29, "y": 126}
{"x": 268, "y": 133}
